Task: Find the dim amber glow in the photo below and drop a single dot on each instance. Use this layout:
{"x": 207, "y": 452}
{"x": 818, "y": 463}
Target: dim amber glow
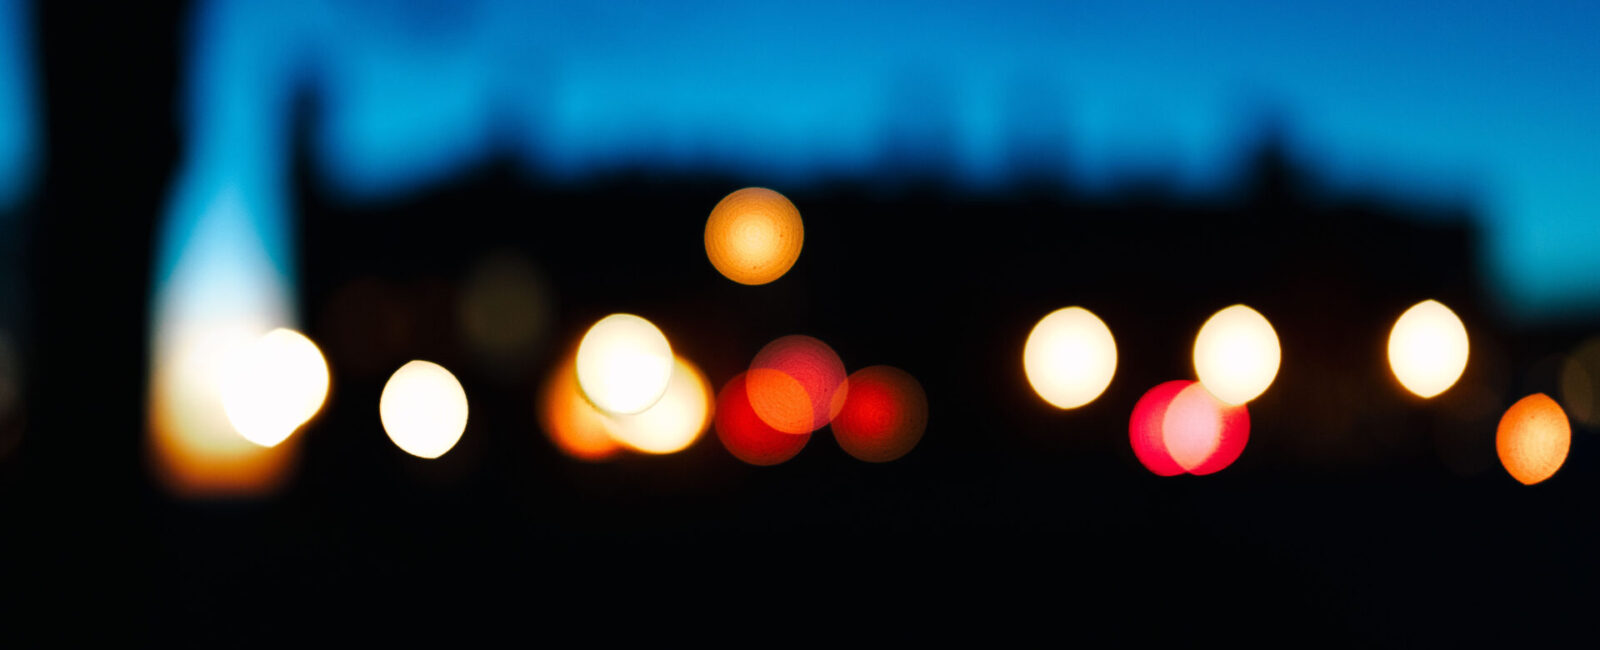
{"x": 1428, "y": 348}
{"x": 884, "y": 416}
{"x": 1236, "y": 354}
{"x": 1069, "y": 357}
{"x": 624, "y": 364}
{"x": 573, "y": 424}
{"x": 754, "y": 236}
{"x": 1533, "y": 438}
{"x": 423, "y": 409}
{"x": 797, "y": 384}
{"x": 674, "y": 422}
{"x": 504, "y": 311}
{"x": 744, "y": 434}
{"x": 273, "y": 386}
{"x": 1580, "y": 383}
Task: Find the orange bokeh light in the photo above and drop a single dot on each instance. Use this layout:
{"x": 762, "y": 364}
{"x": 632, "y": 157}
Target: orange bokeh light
{"x": 1533, "y": 438}
{"x": 884, "y": 415}
{"x": 754, "y": 236}
{"x": 797, "y": 384}
{"x": 744, "y": 434}
{"x": 569, "y": 420}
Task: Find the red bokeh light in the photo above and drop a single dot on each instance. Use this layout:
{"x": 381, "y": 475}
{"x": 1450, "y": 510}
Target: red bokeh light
{"x": 883, "y": 417}
{"x": 796, "y": 384}
{"x": 745, "y": 435}
{"x": 1145, "y": 426}
{"x": 1203, "y": 434}
{"x": 1180, "y": 427}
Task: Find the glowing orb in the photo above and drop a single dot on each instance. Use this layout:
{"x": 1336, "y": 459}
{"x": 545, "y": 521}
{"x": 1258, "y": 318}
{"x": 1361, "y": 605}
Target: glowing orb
{"x": 744, "y": 434}
{"x": 797, "y": 384}
{"x": 624, "y": 364}
{"x": 1069, "y": 357}
{"x": 1428, "y": 348}
{"x": 570, "y": 421}
{"x": 194, "y": 450}
{"x": 1145, "y": 428}
{"x": 1236, "y": 354}
{"x": 1203, "y": 434}
{"x": 423, "y": 409}
{"x": 754, "y": 236}
{"x": 674, "y": 422}
{"x": 884, "y": 416}
{"x": 273, "y": 386}
{"x": 1533, "y": 438}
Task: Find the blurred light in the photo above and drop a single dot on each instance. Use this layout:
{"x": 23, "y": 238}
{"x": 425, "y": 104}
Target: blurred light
{"x": 1533, "y": 438}
{"x": 1145, "y": 428}
{"x": 504, "y": 311}
{"x": 674, "y": 422}
{"x": 273, "y": 386}
{"x": 797, "y": 384}
{"x": 195, "y": 450}
{"x": 754, "y": 235}
{"x": 1580, "y": 383}
{"x": 1428, "y": 348}
{"x": 222, "y": 281}
{"x": 884, "y": 416}
{"x": 576, "y": 427}
{"x": 423, "y": 409}
{"x": 1204, "y": 434}
{"x": 624, "y": 364}
{"x": 1236, "y": 354}
{"x": 1070, "y": 357}
{"x": 744, "y": 434}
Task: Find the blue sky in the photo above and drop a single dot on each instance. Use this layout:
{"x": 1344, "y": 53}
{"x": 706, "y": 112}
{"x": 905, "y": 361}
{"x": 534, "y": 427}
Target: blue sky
{"x": 17, "y": 128}
{"x": 1492, "y": 103}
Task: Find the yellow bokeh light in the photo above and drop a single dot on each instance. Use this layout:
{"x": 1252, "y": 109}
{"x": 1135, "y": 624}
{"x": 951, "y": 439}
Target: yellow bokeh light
{"x": 754, "y": 236}
{"x": 624, "y": 364}
{"x": 1428, "y": 348}
{"x": 1533, "y": 438}
{"x": 1070, "y": 357}
{"x": 673, "y": 422}
{"x": 1236, "y": 354}
{"x": 273, "y": 386}
{"x": 423, "y": 409}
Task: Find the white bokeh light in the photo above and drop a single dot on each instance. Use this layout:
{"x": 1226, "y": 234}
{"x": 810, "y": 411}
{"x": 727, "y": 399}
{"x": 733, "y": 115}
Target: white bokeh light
{"x": 1236, "y": 354}
{"x": 1070, "y": 357}
{"x": 1428, "y": 348}
{"x": 274, "y": 385}
{"x": 423, "y": 409}
{"x": 624, "y": 364}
